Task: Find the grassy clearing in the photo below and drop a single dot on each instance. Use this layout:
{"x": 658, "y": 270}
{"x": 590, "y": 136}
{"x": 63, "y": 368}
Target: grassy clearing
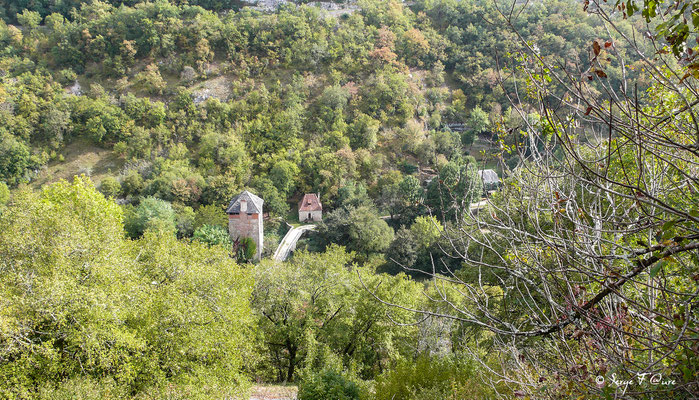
{"x": 292, "y": 218}
{"x": 484, "y": 151}
{"x": 80, "y": 157}
{"x": 218, "y": 87}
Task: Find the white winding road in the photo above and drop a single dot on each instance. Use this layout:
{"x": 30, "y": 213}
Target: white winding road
{"x": 288, "y": 244}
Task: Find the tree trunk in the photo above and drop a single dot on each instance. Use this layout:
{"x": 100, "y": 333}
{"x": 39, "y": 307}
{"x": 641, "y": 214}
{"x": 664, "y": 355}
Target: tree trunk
{"x": 292, "y": 362}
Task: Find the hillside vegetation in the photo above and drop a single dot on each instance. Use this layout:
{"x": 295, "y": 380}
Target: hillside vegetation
{"x": 195, "y": 106}
{"x": 126, "y": 128}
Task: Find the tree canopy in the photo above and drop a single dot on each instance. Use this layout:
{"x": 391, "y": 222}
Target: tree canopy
{"x": 80, "y": 300}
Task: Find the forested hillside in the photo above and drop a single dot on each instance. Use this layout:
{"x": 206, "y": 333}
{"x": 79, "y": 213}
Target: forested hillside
{"x": 581, "y": 263}
{"x": 191, "y": 106}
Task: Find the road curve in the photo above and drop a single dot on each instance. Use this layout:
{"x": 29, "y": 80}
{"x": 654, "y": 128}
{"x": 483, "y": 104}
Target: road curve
{"x": 289, "y": 242}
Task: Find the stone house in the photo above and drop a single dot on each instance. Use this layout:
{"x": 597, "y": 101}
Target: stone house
{"x": 245, "y": 219}
{"x": 310, "y": 208}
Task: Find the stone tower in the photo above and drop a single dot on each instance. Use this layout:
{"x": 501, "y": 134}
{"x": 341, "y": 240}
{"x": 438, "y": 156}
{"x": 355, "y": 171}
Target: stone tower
{"x": 245, "y": 219}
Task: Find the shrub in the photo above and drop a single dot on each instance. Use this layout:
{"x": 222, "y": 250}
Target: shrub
{"x": 271, "y": 241}
{"x": 151, "y": 80}
{"x": 210, "y": 215}
{"x": 213, "y": 235}
{"x": 328, "y": 385}
{"x": 4, "y": 193}
{"x": 132, "y": 184}
{"x": 245, "y": 249}
{"x": 14, "y": 159}
{"x": 110, "y": 187}
{"x": 83, "y": 388}
{"x": 66, "y": 76}
{"x": 120, "y": 149}
{"x": 151, "y": 214}
{"x": 407, "y": 168}
{"x": 426, "y": 376}
{"x": 188, "y": 74}
{"x": 184, "y": 219}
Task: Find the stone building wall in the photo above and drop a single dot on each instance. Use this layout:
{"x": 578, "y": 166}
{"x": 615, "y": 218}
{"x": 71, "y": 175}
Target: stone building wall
{"x": 247, "y": 225}
{"x": 314, "y": 216}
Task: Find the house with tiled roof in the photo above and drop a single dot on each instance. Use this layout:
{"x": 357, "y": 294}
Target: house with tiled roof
{"x": 310, "y": 208}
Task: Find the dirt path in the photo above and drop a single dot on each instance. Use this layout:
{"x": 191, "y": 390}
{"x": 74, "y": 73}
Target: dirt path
{"x": 273, "y": 393}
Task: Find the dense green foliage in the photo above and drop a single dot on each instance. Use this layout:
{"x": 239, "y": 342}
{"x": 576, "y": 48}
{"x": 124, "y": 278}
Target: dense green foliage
{"x": 244, "y": 249}
{"x": 328, "y": 385}
{"x": 430, "y": 378}
{"x": 388, "y": 112}
{"x": 213, "y": 235}
{"x": 150, "y": 214}
{"x": 313, "y": 307}
{"x": 348, "y": 112}
{"x": 79, "y": 301}
{"x": 4, "y": 193}
{"x": 358, "y": 228}
{"x": 197, "y": 105}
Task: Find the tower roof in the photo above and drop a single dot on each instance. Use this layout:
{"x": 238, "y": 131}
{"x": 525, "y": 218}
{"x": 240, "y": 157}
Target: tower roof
{"x": 488, "y": 176}
{"x": 254, "y": 203}
{"x": 310, "y": 202}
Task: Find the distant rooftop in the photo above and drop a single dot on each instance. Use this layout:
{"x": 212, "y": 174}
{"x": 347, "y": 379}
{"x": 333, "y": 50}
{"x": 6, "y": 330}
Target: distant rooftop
{"x": 310, "y": 202}
{"x": 254, "y": 203}
{"x": 488, "y": 176}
